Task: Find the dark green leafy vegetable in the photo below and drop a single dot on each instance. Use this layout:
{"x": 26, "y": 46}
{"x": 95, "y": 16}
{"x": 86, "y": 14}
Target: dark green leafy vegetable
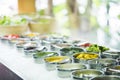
{"x": 74, "y": 50}
{"x": 96, "y": 48}
{"x": 65, "y": 49}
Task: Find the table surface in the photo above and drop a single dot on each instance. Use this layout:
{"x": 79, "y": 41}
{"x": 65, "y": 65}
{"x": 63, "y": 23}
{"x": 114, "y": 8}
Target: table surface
{"x": 24, "y": 66}
{"x": 7, "y": 74}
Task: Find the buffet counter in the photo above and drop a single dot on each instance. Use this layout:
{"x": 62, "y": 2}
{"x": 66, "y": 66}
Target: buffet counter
{"x": 39, "y": 57}
{"x": 24, "y": 66}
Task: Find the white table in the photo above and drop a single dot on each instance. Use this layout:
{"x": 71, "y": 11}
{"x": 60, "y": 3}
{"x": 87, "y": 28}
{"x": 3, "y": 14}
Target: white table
{"x": 25, "y": 67}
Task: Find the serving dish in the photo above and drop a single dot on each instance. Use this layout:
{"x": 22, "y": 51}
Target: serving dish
{"x": 53, "y": 61}
{"x": 13, "y": 25}
{"x": 30, "y": 48}
{"x": 111, "y": 54}
{"x": 40, "y": 55}
{"x": 86, "y": 74}
{"x": 57, "y": 47}
{"x": 42, "y": 25}
{"x": 84, "y": 57}
{"x": 101, "y": 63}
{"x": 64, "y": 70}
{"x": 69, "y": 51}
{"x": 106, "y": 77}
{"x": 113, "y": 70}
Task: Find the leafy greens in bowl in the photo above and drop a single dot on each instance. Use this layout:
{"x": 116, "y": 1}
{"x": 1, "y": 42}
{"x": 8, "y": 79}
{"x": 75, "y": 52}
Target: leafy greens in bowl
{"x": 96, "y": 48}
{"x": 13, "y": 25}
{"x": 6, "y": 20}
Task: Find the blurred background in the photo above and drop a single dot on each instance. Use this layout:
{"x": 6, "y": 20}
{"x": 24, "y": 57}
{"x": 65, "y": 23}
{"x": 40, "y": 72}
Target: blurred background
{"x": 95, "y": 21}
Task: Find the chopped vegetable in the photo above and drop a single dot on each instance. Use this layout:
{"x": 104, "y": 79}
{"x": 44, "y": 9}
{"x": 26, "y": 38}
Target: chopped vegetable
{"x": 40, "y": 54}
{"x": 31, "y": 35}
{"x": 85, "y": 45}
{"x": 86, "y": 56}
{"x": 56, "y": 59}
{"x": 96, "y": 48}
{"x": 12, "y": 36}
{"x": 6, "y": 20}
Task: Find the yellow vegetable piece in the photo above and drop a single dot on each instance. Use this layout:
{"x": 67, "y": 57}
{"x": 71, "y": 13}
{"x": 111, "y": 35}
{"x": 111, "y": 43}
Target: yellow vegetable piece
{"x": 86, "y": 56}
{"x": 56, "y": 58}
{"x": 80, "y": 56}
{"x": 32, "y": 34}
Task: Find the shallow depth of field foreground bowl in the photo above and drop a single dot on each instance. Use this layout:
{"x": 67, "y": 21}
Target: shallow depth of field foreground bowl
{"x": 64, "y": 70}
{"x": 52, "y": 61}
{"x": 42, "y": 25}
{"x": 111, "y": 54}
{"x": 86, "y": 74}
{"x": 13, "y": 29}
{"x": 101, "y": 63}
{"x": 114, "y": 70}
{"x": 107, "y": 77}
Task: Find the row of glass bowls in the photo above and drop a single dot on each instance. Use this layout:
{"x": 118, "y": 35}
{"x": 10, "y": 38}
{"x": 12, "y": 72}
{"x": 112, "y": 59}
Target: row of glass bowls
{"x": 62, "y": 55}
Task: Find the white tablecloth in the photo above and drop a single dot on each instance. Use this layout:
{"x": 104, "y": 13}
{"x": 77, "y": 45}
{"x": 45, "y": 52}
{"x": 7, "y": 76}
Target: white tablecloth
{"x": 24, "y": 66}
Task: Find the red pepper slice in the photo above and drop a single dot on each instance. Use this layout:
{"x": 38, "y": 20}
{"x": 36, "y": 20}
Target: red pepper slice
{"x": 85, "y": 45}
{"x": 12, "y": 36}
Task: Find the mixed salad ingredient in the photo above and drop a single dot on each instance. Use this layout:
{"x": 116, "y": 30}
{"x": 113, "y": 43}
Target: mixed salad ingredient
{"x": 12, "y": 36}
{"x": 40, "y": 54}
{"x": 32, "y": 35}
{"x": 6, "y": 20}
{"x": 96, "y": 48}
{"x": 85, "y": 45}
{"x": 56, "y": 59}
{"x": 117, "y": 67}
{"x": 86, "y": 56}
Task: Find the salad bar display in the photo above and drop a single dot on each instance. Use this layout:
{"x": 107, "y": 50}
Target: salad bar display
{"x": 66, "y": 59}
